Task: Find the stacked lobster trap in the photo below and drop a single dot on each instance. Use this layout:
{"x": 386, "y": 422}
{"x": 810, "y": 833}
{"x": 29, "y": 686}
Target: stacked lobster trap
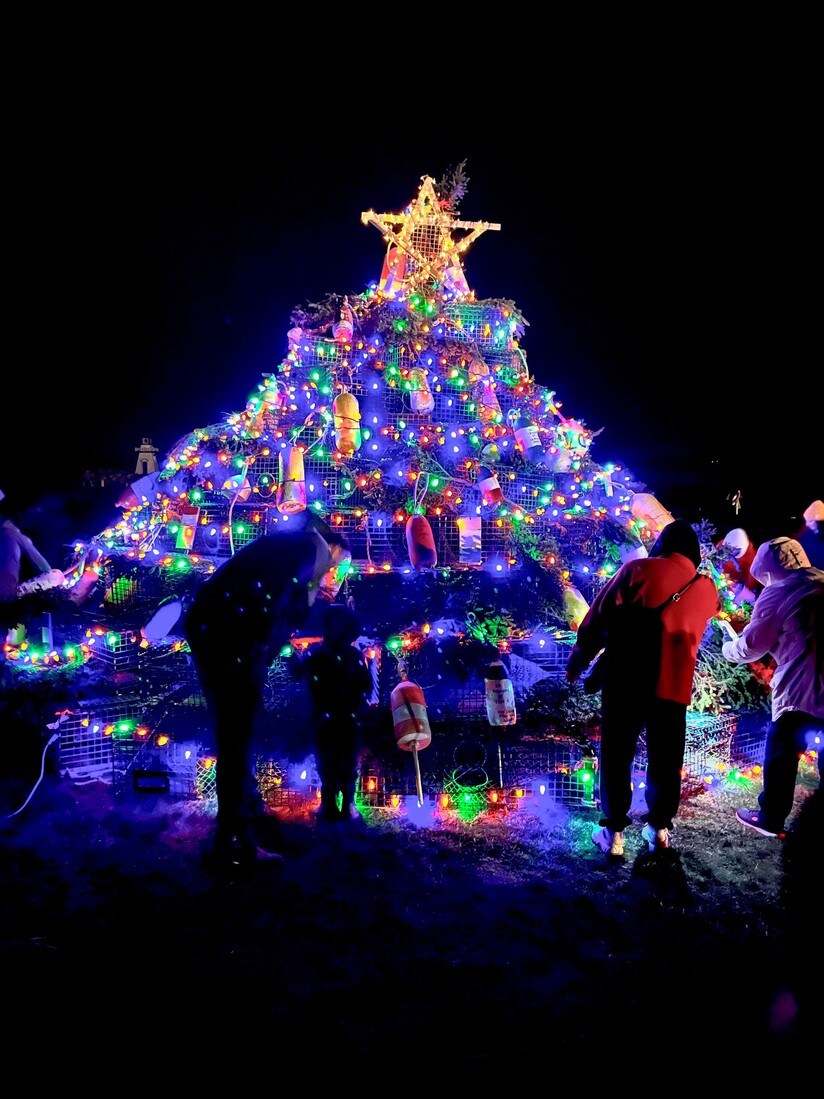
{"x": 407, "y": 408}
{"x": 151, "y": 732}
{"x": 716, "y": 744}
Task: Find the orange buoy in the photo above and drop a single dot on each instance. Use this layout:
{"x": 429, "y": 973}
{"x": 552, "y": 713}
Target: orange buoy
{"x": 412, "y": 731}
{"x": 409, "y": 716}
{"x": 420, "y": 542}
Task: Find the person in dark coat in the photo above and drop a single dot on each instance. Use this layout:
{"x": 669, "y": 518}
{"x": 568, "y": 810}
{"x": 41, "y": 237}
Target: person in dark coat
{"x": 648, "y": 678}
{"x": 236, "y": 625}
{"x": 339, "y": 683}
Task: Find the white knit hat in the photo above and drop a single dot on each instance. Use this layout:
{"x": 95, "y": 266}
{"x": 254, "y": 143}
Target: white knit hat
{"x": 814, "y": 513}
{"x": 737, "y": 540}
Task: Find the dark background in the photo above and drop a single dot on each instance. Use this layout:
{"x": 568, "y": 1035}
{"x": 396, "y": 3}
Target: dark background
{"x": 658, "y": 247}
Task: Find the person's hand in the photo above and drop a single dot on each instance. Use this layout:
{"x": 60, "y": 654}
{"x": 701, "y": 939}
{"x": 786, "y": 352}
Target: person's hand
{"x": 728, "y": 651}
{"x": 727, "y": 629}
{"x": 575, "y": 666}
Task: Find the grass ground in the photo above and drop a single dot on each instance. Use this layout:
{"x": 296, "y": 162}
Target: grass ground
{"x": 504, "y": 949}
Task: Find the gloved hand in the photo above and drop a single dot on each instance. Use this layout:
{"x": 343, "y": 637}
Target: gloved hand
{"x": 728, "y": 651}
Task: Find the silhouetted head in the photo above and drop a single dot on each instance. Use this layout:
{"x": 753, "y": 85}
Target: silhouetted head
{"x": 678, "y": 537}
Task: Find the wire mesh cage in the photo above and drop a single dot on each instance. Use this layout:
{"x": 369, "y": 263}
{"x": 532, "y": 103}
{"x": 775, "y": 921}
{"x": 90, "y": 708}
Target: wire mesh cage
{"x": 143, "y": 763}
{"x": 86, "y": 736}
{"x": 707, "y": 750}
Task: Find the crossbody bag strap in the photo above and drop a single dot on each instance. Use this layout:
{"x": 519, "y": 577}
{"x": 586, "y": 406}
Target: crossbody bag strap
{"x": 677, "y": 595}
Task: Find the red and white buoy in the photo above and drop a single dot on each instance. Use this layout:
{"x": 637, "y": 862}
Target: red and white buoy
{"x": 411, "y": 722}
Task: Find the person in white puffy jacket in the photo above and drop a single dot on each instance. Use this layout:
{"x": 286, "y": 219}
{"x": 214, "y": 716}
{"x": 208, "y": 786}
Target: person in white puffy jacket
{"x": 787, "y": 623}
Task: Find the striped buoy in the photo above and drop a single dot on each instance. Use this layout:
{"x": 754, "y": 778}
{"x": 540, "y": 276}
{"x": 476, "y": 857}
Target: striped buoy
{"x": 409, "y": 716}
{"x": 412, "y": 732}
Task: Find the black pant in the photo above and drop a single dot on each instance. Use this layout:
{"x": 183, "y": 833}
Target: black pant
{"x": 788, "y": 739}
{"x": 623, "y": 715}
{"x": 336, "y": 757}
{"x": 234, "y": 690}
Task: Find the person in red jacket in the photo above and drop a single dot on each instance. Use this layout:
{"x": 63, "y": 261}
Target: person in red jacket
{"x": 650, "y": 665}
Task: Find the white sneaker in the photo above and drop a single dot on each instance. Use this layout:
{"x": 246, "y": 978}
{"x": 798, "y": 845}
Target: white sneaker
{"x": 658, "y": 839}
{"x": 611, "y": 843}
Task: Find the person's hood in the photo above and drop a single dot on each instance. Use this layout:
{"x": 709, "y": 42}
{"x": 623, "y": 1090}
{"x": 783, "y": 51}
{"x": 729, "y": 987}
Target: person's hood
{"x": 774, "y": 559}
{"x": 678, "y": 537}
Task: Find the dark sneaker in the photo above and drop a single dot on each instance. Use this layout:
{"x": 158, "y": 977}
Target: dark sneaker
{"x": 346, "y": 819}
{"x": 239, "y": 855}
{"x": 754, "y": 818}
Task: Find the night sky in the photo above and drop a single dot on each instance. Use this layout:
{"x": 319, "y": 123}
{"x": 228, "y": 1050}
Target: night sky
{"x": 659, "y": 268}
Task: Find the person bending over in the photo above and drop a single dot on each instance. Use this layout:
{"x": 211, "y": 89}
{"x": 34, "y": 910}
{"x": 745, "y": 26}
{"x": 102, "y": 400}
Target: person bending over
{"x": 238, "y": 621}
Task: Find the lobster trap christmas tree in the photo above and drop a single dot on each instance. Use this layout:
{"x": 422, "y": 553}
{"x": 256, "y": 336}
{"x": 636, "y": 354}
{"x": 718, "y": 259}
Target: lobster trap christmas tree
{"x": 480, "y": 525}
{"x": 405, "y": 415}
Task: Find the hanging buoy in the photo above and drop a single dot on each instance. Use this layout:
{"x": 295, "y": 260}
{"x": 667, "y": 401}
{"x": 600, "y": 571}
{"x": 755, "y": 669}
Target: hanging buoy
{"x": 409, "y": 717}
{"x": 420, "y": 395}
{"x": 420, "y": 542}
{"x": 291, "y": 494}
{"x": 237, "y": 487}
{"x": 411, "y": 722}
{"x": 558, "y": 460}
{"x": 489, "y": 410}
{"x": 294, "y": 336}
{"x": 575, "y": 606}
{"x": 346, "y": 411}
{"x": 489, "y": 485}
{"x": 344, "y": 328}
{"x": 527, "y": 437}
{"x": 189, "y": 516}
{"x": 393, "y": 273}
{"x": 647, "y": 508}
{"x": 270, "y": 401}
{"x": 500, "y": 695}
